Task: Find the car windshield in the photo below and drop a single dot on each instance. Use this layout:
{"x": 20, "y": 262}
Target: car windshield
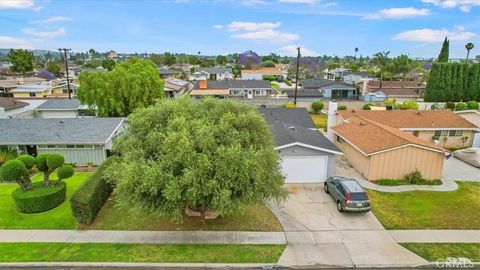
{"x": 358, "y": 196}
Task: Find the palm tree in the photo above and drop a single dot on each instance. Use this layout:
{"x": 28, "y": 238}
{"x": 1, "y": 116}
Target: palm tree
{"x": 92, "y": 53}
{"x": 381, "y": 60}
{"x": 355, "y": 58}
{"x": 469, "y": 46}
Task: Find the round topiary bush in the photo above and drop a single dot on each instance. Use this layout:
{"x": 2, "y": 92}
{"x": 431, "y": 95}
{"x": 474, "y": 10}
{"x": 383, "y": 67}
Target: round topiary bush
{"x": 40, "y": 198}
{"x": 460, "y": 106}
{"x": 367, "y": 106}
{"x": 342, "y": 108}
{"x": 54, "y": 161}
{"x": 65, "y": 171}
{"x": 28, "y": 160}
{"x": 317, "y": 105}
{"x": 472, "y": 105}
{"x": 13, "y": 170}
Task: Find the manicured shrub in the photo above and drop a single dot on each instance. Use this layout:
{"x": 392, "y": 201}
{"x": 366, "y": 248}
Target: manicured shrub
{"x": 287, "y": 82}
{"x": 41, "y": 162}
{"x": 367, "y": 106}
{"x": 54, "y": 161}
{"x": 472, "y": 105}
{"x": 270, "y": 78}
{"x": 90, "y": 197}
{"x": 289, "y": 105}
{"x": 317, "y": 105}
{"x": 460, "y": 106}
{"x": 65, "y": 171}
{"x": 40, "y": 198}
{"x": 450, "y": 105}
{"x": 14, "y": 170}
{"x": 434, "y": 107}
{"x": 28, "y": 160}
{"x": 414, "y": 177}
{"x": 407, "y": 105}
{"x": 47, "y": 163}
{"x": 342, "y": 108}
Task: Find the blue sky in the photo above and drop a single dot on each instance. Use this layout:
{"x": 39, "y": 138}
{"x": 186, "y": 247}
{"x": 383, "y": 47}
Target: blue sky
{"x": 332, "y": 27}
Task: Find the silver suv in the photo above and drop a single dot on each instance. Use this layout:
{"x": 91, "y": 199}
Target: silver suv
{"x": 348, "y": 194}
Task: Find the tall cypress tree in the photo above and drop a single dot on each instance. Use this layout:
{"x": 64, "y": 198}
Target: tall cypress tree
{"x": 471, "y": 91}
{"x": 444, "y": 52}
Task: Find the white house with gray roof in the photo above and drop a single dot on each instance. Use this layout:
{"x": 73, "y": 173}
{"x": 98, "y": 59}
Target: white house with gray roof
{"x": 61, "y": 108}
{"x": 307, "y": 156}
{"x": 79, "y": 140}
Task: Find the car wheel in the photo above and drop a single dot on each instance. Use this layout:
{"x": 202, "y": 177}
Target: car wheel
{"x": 339, "y": 207}
{"x": 325, "y": 187}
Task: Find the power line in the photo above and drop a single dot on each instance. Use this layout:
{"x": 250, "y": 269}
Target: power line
{"x": 65, "y": 50}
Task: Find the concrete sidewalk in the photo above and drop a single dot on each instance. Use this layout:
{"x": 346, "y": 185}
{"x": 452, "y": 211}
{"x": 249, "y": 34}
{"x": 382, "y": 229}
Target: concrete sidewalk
{"x": 146, "y": 237}
{"x": 435, "y": 236}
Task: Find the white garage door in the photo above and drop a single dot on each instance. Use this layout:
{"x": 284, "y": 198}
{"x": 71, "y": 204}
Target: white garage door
{"x": 304, "y": 169}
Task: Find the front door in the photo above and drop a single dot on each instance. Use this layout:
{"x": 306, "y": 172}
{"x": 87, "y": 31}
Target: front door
{"x": 32, "y": 150}
{"x": 250, "y": 94}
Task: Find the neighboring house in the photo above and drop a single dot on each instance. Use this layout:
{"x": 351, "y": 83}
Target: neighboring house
{"x": 330, "y": 89}
{"x": 61, "y": 108}
{"x": 407, "y": 86}
{"x": 10, "y": 84}
{"x": 167, "y": 73}
{"x": 9, "y": 107}
{"x": 240, "y": 89}
{"x": 258, "y": 74}
{"x": 199, "y": 76}
{"x": 217, "y": 73}
{"x": 351, "y": 77}
{"x": 335, "y": 74}
{"x": 442, "y": 127}
{"x": 472, "y": 116}
{"x": 399, "y": 94}
{"x": 32, "y": 91}
{"x": 304, "y": 94}
{"x": 307, "y": 156}
{"x": 175, "y": 88}
{"x": 379, "y": 151}
{"x": 79, "y": 140}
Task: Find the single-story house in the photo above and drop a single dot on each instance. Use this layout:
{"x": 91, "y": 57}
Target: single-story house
{"x": 32, "y": 91}
{"x": 10, "y": 107}
{"x": 175, "y": 87}
{"x": 258, "y": 74}
{"x": 79, "y": 140}
{"x": 334, "y": 74}
{"x": 354, "y": 77}
{"x": 199, "y": 76}
{"x": 62, "y": 108}
{"x": 330, "y": 89}
{"x": 441, "y": 127}
{"x": 10, "y": 84}
{"x": 239, "y": 89}
{"x": 399, "y": 94}
{"x": 371, "y": 86}
{"x": 218, "y": 73}
{"x": 379, "y": 151}
{"x": 307, "y": 156}
{"x": 167, "y": 73}
{"x": 472, "y": 116}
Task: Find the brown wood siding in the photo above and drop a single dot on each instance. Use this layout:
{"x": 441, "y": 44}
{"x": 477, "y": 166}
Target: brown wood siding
{"x": 358, "y": 160}
{"x": 396, "y": 163}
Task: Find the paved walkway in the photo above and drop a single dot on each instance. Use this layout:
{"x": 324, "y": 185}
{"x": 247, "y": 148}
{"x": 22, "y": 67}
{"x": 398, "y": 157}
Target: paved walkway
{"x": 435, "y": 236}
{"x": 149, "y": 237}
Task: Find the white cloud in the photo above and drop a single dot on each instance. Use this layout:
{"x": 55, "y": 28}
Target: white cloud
{"x": 16, "y": 4}
{"x": 268, "y": 35}
{"x": 52, "y": 20}
{"x": 11, "y": 42}
{"x": 252, "y": 26}
{"x": 252, "y": 2}
{"x": 44, "y": 34}
{"x": 38, "y": 8}
{"x": 291, "y": 50}
{"x": 218, "y": 26}
{"x": 433, "y": 35}
{"x": 299, "y": 1}
{"x": 463, "y": 5}
{"x": 398, "y": 13}
{"x": 460, "y": 27}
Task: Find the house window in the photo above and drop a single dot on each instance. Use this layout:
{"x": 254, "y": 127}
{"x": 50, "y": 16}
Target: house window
{"x": 50, "y": 146}
{"x": 441, "y": 133}
{"x": 236, "y": 92}
{"x": 455, "y": 133}
{"x": 41, "y": 146}
{"x": 70, "y": 146}
{"x": 339, "y": 139}
{"x": 259, "y": 92}
{"x": 33, "y": 94}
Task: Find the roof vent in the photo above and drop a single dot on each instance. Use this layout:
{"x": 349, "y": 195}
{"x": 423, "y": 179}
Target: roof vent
{"x": 363, "y": 124}
{"x": 292, "y": 128}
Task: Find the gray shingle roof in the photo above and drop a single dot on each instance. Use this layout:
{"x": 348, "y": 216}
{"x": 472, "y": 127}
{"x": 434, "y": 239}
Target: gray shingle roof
{"x": 164, "y": 71}
{"x": 59, "y": 104}
{"x": 295, "y": 126}
{"x": 322, "y": 83}
{"x": 217, "y": 70}
{"x": 304, "y": 93}
{"x": 31, "y": 131}
{"x": 211, "y": 84}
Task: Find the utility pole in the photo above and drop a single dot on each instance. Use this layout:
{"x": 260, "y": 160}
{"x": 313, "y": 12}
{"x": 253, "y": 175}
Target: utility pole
{"x": 296, "y": 79}
{"x": 66, "y": 67}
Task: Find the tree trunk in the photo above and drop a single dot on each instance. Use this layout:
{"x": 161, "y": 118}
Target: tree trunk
{"x": 468, "y": 54}
{"x": 46, "y": 178}
{"x": 28, "y": 181}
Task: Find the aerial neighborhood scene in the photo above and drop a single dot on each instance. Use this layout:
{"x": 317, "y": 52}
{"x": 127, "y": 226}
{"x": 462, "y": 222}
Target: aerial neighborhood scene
{"x": 250, "y": 134}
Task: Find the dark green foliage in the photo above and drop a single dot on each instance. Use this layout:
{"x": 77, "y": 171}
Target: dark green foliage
{"x": 472, "y": 105}
{"x": 54, "y": 68}
{"x": 450, "y": 105}
{"x": 268, "y": 64}
{"x": 21, "y": 60}
{"x": 54, "y": 161}
{"x": 65, "y": 171}
{"x": 401, "y": 182}
{"x": 40, "y": 198}
{"x": 13, "y": 170}
{"x": 414, "y": 177}
{"x": 367, "y": 106}
{"x": 90, "y": 197}
{"x": 444, "y": 52}
{"x": 287, "y": 82}
{"x": 108, "y": 64}
{"x": 41, "y": 162}
{"x": 28, "y": 160}
{"x": 317, "y": 105}
{"x": 434, "y": 107}
{"x": 270, "y": 78}
{"x": 460, "y": 106}
{"x": 342, "y": 108}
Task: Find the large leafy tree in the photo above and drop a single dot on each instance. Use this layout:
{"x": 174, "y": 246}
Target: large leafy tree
{"x": 108, "y": 64}
{"x": 21, "y": 60}
{"x": 206, "y": 155}
{"x": 54, "y": 68}
{"x": 221, "y": 60}
{"x": 130, "y": 85}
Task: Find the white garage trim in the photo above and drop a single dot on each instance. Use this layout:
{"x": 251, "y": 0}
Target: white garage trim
{"x": 308, "y": 146}
{"x": 304, "y": 169}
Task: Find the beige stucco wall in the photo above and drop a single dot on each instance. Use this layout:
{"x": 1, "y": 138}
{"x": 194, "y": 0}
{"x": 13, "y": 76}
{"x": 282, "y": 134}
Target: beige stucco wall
{"x": 452, "y": 141}
{"x": 359, "y": 161}
{"x": 396, "y": 163}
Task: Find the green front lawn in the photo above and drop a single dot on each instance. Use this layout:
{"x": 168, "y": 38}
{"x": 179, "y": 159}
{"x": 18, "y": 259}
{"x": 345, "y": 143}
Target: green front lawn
{"x": 457, "y": 209}
{"x": 440, "y": 251}
{"x": 106, "y": 252}
{"x": 275, "y": 85}
{"x": 320, "y": 120}
{"x": 401, "y": 182}
{"x": 57, "y": 218}
{"x": 253, "y": 218}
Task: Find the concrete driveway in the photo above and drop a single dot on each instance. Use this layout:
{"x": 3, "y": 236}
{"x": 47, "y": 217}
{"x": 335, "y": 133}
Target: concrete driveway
{"x": 455, "y": 169}
{"x": 317, "y": 234}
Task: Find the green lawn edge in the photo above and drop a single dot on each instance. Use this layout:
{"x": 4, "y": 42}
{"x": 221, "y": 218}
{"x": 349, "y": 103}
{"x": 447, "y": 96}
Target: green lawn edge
{"x": 141, "y": 253}
{"x": 433, "y": 252}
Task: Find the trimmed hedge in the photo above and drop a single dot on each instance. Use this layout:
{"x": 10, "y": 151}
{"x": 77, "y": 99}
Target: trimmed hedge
{"x": 40, "y": 198}
{"x": 90, "y": 197}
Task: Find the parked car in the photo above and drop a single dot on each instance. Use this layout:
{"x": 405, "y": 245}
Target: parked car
{"x": 348, "y": 194}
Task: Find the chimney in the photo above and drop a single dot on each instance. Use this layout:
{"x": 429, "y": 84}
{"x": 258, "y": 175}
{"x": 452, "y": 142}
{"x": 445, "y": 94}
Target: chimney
{"x": 203, "y": 84}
